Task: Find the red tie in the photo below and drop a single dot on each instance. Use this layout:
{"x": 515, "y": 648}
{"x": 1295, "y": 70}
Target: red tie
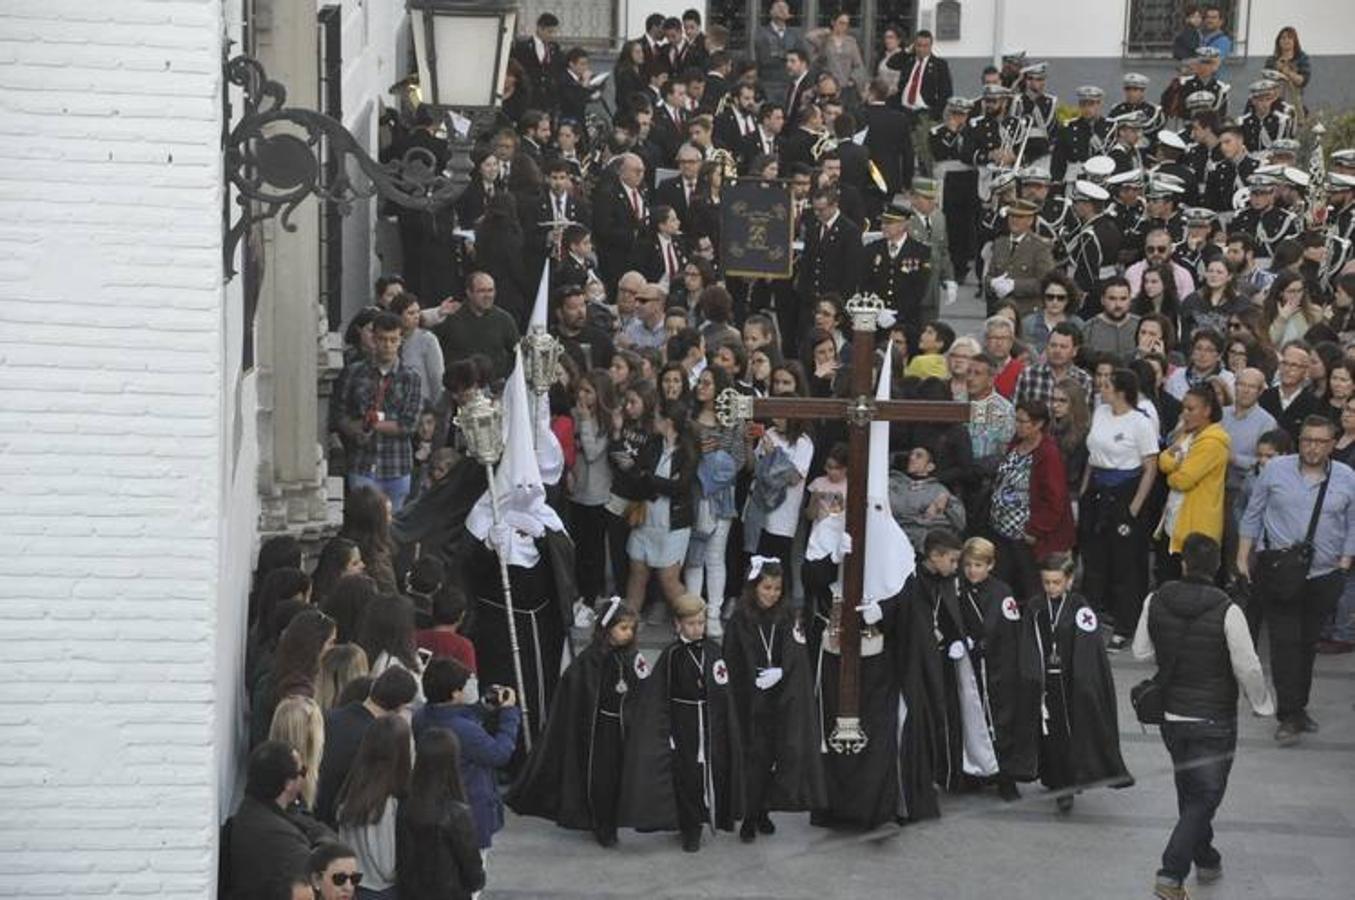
{"x": 635, "y": 203}
{"x": 914, "y": 83}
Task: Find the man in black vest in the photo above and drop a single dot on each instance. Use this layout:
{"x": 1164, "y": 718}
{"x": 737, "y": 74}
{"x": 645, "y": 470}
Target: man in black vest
{"x": 1204, "y": 650}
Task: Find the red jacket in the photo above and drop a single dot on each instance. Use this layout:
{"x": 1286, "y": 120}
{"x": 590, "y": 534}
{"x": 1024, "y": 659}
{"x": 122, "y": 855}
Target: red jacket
{"x": 1005, "y": 381}
{"x": 1051, "y": 512}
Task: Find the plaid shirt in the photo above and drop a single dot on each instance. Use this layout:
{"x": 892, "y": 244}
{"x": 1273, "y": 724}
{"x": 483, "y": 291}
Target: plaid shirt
{"x": 383, "y": 455}
{"x": 1037, "y": 383}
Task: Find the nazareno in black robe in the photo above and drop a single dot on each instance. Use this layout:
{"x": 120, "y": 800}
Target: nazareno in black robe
{"x": 663, "y": 734}
{"x": 779, "y": 725}
{"x": 1007, "y": 664}
{"x": 1080, "y": 742}
{"x": 542, "y": 596}
{"x": 863, "y": 788}
{"x": 557, "y": 781}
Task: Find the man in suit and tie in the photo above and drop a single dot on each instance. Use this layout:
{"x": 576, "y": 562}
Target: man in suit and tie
{"x": 540, "y": 56}
{"x": 739, "y": 119}
{"x": 620, "y": 211}
{"x": 534, "y": 128}
{"x": 898, "y": 268}
{"x": 654, "y": 44}
{"x": 771, "y": 44}
{"x": 801, "y": 90}
{"x": 669, "y": 130}
{"x": 831, "y": 262}
{"x": 928, "y": 225}
{"x": 574, "y": 90}
{"x": 660, "y": 256}
{"x": 1020, "y": 259}
{"x": 558, "y": 204}
{"x": 924, "y": 79}
{"x": 766, "y": 140}
{"x": 678, "y": 192}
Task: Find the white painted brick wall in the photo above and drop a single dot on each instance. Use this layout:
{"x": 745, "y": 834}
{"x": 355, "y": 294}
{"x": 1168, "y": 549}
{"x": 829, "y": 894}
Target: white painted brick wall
{"x": 111, "y": 445}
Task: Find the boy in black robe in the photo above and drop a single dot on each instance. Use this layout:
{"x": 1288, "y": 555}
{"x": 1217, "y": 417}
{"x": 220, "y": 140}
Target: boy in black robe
{"x": 1006, "y": 663}
{"x": 684, "y": 760}
{"x": 1079, "y": 734}
{"x": 769, "y": 677}
{"x": 573, "y": 775}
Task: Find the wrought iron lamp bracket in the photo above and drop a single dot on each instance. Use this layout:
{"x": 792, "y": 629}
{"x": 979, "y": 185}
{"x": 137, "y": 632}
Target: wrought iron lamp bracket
{"x": 271, "y": 158}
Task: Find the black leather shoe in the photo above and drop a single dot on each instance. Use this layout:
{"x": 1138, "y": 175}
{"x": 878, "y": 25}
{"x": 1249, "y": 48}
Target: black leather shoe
{"x": 748, "y": 830}
{"x": 764, "y": 824}
{"x": 1287, "y": 735}
{"x": 1307, "y": 723}
{"x": 606, "y": 837}
{"x": 1008, "y": 791}
{"x": 691, "y": 842}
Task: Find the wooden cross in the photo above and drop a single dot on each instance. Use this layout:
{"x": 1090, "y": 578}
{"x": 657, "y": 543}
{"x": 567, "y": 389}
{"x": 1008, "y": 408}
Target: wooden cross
{"x": 859, "y": 410}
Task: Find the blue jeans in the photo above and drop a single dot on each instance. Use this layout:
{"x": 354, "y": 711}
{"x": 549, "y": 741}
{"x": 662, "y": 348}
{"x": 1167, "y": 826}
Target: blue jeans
{"x": 395, "y": 489}
{"x": 1342, "y": 627}
{"x": 1202, "y": 755}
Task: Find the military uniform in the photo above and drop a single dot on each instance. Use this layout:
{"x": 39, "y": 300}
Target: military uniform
{"x": 934, "y": 232}
{"x": 1077, "y": 142}
{"x": 1025, "y": 260}
{"x": 1095, "y": 254}
{"x": 952, "y": 165}
{"x": 1040, "y": 110}
{"x": 1218, "y": 88}
{"x": 1126, "y": 158}
{"x": 1151, "y": 114}
{"x": 1133, "y": 229}
{"x": 1224, "y": 179}
{"x": 1268, "y": 227}
{"x": 1259, "y": 132}
{"x": 1052, "y": 225}
{"x": 900, "y": 279}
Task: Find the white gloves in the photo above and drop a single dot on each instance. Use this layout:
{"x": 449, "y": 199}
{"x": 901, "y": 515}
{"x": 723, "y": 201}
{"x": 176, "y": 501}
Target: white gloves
{"x": 956, "y": 650}
{"x": 886, "y": 319}
{"x": 499, "y": 537}
{"x": 870, "y": 612}
{"x": 949, "y": 292}
{"x": 1002, "y": 285}
{"x": 768, "y": 678}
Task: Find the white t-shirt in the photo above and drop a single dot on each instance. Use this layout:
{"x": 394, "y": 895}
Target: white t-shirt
{"x": 1120, "y": 442}
{"x": 786, "y": 518}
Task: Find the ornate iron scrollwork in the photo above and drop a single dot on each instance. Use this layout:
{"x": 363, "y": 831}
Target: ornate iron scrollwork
{"x": 274, "y": 168}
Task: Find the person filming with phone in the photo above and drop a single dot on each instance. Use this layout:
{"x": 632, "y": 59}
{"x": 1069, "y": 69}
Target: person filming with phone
{"x": 487, "y": 732}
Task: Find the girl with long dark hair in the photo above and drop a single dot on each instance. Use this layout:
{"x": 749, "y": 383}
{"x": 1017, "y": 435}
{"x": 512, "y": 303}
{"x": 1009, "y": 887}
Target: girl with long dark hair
{"x": 437, "y": 851}
{"x": 369, "y": 800}
{"x": 366, "y": 522}
{"x": 667, "y": 466}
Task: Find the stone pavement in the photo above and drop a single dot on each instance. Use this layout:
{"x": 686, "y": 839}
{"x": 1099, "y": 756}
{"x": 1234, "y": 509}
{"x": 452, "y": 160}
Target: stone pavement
{"x": 1286, "y": 830}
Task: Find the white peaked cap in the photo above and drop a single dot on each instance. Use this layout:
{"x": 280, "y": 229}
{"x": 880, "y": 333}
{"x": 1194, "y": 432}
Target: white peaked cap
{"x": 889, "y": 555}
{"x": 549, "y": 456}
{"x": 517, "y": 479}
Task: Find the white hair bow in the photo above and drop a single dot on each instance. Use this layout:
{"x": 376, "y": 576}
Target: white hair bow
{"x": 756, "y": 563}
{"x": 612, "y": 606}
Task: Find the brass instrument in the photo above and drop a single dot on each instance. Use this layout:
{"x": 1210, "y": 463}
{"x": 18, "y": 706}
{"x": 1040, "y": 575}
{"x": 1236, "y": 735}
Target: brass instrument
{"x": 729, "y": 166}
{"x": 724, "y": 103}
{"x": 1011, "y": 136}
{"x": 826, "y": 142}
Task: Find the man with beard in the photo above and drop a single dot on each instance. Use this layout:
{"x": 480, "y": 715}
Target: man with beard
{"x": 586, "y": 344}
{"x": 1112, "y": 331}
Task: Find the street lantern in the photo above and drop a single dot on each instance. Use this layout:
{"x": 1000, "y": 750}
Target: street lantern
{"x": 461, "y": 48}
{"x": 481, "y": 423}
{"x": 540, "y": 359}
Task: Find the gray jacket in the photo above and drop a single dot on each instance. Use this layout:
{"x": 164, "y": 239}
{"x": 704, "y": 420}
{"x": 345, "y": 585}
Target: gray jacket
{"x": 770, "y": 52}
{"x": 908, "y": 501}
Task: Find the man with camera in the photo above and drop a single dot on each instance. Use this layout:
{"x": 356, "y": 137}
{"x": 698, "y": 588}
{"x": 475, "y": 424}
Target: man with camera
{"x": 1301, "y": 519}
{"x": 1204, "y": 651}
{"x": 487, "y": 732}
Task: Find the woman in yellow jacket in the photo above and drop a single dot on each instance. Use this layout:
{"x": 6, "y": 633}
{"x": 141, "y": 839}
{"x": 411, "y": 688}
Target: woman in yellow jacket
{"x": 1196, "y": 466}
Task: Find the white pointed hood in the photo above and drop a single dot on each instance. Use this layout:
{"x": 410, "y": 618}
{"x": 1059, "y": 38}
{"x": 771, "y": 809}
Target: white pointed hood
{"x": 889, "y": 555}
{"x": 549, "y": 457}
{"x": 517, "y": 479}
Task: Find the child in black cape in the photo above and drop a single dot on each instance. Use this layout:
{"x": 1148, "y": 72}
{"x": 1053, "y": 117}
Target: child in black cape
{"x": 773, "y": 695}
{"x": 1079, "y": 733}
{"x": 943, "y": 738}
{"x": 684, "y": 759}
{"x": 1006, "y": 663}
{"x": 573, "y": 775}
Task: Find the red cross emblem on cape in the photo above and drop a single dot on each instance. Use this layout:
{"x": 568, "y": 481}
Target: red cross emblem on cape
{"x": 641, "y": 666}
{"x": 1086, "y": 620}
{"x": 1010, "y": 610}
{"x": 720, "y": 672}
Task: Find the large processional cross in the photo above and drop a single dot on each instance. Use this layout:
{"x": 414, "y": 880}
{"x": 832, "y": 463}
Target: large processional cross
{"x": 859, "y": 409}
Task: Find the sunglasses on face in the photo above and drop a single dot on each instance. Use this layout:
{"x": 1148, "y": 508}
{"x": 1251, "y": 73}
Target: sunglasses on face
{"x": 1158, "y": 248}
{"x": 341, "y": 878}
{"x": 1055, "y": 295}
